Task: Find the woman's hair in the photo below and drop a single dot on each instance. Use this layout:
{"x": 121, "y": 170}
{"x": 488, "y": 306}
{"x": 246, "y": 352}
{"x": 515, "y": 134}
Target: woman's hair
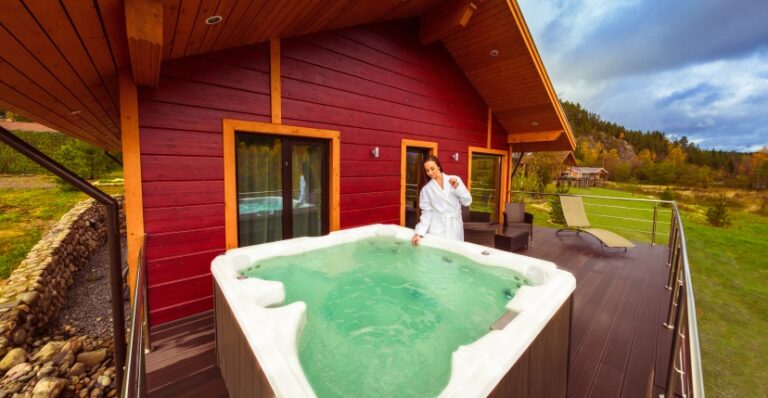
{"x": 434, "y": 159}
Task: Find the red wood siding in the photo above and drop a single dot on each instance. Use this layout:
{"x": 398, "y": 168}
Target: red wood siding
{"x": 375, "y": 84}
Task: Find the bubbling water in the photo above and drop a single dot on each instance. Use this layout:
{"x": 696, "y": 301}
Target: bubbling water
{"x": 383, "y": 316}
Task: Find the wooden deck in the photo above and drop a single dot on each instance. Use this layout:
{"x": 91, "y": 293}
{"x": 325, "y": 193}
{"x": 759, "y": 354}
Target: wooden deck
{"x": 616, "y": 335}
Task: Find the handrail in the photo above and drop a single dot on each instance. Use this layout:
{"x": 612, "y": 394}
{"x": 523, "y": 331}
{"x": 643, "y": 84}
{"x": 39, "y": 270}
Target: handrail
{"x": 134, "y": 384}
{"x": 685, "y": 354}
{"x": 696, "y": 375}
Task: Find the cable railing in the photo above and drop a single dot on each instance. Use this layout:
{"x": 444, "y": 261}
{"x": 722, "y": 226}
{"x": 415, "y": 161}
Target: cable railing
{"x": 135, "y": 381}
{"x": 684, "y": 375}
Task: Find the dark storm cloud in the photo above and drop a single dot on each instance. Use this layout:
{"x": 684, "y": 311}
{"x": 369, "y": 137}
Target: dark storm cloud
{"x": 688, "y": 68}
{"x": 660, "y": 35}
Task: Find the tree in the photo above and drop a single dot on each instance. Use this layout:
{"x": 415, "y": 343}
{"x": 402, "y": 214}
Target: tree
{"x": 87, "y": 161}
{"x": 717, "y": 215}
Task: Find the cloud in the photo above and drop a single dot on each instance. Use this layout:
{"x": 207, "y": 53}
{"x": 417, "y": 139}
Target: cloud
{"x": 698, "y": 69}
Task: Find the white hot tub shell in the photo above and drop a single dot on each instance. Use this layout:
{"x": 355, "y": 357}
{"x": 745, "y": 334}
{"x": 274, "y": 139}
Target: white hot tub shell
{"x": 257, "y": 345}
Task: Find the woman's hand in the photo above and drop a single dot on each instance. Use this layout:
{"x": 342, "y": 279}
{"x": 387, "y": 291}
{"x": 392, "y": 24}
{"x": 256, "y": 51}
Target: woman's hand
{"x": 415, "y": 240}
{"x": 454, "y": 182}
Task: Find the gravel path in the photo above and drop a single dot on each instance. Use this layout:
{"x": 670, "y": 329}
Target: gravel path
{"x": 88, "y": 307}
{"x": 8, "y": 181}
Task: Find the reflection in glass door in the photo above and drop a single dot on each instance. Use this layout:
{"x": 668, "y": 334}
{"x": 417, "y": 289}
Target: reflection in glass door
{"x": 415, "y": 178}
{"x": 259, "y": 189}
{"x": 275, "y": 171}
{"x": 485, "y": 184}
{"x": 308, "y": 162}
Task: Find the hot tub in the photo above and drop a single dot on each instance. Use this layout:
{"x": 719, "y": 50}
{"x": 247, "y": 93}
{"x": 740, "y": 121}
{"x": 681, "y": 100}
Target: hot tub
{"x": 523, "y": 353}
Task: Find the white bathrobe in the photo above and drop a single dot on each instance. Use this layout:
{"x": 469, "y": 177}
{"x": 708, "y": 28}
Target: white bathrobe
{"x": 441, "y": 208}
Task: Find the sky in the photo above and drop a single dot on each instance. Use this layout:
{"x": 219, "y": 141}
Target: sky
{"x": 694, "y": 68}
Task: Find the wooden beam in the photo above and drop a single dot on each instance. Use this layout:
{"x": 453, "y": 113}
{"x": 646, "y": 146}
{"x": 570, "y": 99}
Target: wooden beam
{"x": 144, "y": 28}
{"x": 446, "y": 18}
{"x": 490, "y": 127}
{"x": 274, "y": 74}
{"x": 517, "y": 138}
{"x": 134, "y": 205}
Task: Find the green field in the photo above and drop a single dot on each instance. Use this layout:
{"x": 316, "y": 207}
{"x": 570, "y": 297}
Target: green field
{"x": 730, "y": 277}
{"x": 27, "y": 213}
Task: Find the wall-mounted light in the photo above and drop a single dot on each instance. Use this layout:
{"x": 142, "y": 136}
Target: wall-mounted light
{"x": 213, "y": 20}
{"x": 455, "y": 156}
{"x": 375, "y": 152}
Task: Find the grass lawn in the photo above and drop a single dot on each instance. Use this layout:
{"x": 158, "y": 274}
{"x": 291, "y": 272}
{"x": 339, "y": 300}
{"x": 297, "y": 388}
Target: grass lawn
{"x": 27, "y": 213}
{"x": 632, "y": 220}
{"x": 730, "y": 279}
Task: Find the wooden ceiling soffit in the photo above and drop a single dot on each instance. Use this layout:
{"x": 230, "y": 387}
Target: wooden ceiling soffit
{"x": 144, "y": 28}
{"x": 545, "y": 141}
{"x": 517, "y": 15}
{"x": 446, "y": 18}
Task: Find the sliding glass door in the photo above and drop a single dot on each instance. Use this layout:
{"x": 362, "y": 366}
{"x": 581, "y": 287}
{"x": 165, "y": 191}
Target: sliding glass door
{"x": 282, "y": 187}
{"x": 485, "y": 183}
{"x": 415, "y": 178}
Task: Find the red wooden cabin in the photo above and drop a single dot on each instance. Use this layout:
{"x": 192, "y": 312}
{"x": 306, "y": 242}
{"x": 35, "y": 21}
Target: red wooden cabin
{"x": 320, "y": 85}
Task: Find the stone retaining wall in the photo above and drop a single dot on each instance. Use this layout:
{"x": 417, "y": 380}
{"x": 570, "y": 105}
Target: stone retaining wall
{"x": 36, "y": 290}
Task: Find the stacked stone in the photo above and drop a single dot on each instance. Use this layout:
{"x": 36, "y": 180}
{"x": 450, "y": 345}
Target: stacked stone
{"x": 61, "y": 365}
{"x": 36, "y": 290}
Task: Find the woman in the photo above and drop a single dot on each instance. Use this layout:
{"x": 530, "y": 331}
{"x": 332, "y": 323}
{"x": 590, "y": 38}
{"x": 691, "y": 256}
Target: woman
{"x": 440, "y": 202}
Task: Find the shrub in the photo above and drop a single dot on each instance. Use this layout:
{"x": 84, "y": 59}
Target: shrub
{"x": 666, "y": 194}
{"x": 556, "y": 210}
{"x": 717, "y": 215}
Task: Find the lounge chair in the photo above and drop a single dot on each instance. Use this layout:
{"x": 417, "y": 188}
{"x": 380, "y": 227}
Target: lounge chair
{"x": 576, "y": 220}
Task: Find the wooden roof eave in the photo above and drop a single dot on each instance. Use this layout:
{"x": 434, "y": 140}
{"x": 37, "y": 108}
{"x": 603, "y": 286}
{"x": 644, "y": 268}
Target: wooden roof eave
{"x": 534, "y": 52}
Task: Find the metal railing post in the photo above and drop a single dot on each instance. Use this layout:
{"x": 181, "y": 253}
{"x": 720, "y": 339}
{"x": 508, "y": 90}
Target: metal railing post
{"x": 673, "y": 372}
{"x": 655, "y": 216}
{"x": 676, "y": 293}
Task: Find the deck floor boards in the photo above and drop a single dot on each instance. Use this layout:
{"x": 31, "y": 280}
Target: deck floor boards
{"x": 616, "y": 337}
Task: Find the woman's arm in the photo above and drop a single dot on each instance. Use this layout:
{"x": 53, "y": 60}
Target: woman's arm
{"x": 460, "y": 191}
{"x": 425, "y": 204}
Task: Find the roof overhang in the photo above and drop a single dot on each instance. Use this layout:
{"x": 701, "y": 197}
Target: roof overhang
{"x": 60, "y": 61}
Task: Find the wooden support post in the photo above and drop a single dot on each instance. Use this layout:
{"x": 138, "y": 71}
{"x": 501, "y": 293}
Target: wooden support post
{"x": 274, "y": 74}
{"x": 446, "y": 18}
{"x": 134, "y": 206}
{"x": 144, "y": 29}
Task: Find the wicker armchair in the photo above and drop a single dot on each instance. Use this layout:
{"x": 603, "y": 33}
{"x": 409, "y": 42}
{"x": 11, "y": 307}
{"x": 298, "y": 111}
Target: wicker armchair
{"x": 477, "y": 228}
{"x": 515, "y": 217}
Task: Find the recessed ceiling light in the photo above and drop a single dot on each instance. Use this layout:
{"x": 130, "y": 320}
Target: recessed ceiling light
{"x": 534, "y": 123}
{"x": 494, "y": 53}
{"x": 73, "y": 113}
{"x": 213, "y": 20}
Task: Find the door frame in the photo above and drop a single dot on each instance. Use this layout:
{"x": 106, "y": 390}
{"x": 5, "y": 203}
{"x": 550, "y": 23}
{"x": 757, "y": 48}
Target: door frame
{"x": 230, "y": 126}
{"x": 501, "y": 195}
{"x": 404, "y": 144}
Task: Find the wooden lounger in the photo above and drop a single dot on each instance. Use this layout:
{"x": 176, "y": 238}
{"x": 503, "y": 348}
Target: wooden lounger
{"x": 576, "y": 220}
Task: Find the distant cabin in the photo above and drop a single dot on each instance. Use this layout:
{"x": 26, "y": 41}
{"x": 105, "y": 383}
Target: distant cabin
{"x": 587, "y": 176}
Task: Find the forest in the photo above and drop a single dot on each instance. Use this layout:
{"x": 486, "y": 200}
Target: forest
{"x": 655, "y": 157}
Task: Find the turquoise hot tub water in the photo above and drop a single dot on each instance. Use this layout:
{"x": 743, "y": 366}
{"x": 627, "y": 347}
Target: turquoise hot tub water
{"x": 383, "y": 317}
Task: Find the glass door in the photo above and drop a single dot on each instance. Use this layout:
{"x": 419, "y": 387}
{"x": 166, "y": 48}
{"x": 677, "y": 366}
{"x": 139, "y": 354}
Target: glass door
{"x": 281, "y": 188}
{"x": 308, "y": 175}
{"x": 415, "y": 178}
{"x": 486, "y": 183}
